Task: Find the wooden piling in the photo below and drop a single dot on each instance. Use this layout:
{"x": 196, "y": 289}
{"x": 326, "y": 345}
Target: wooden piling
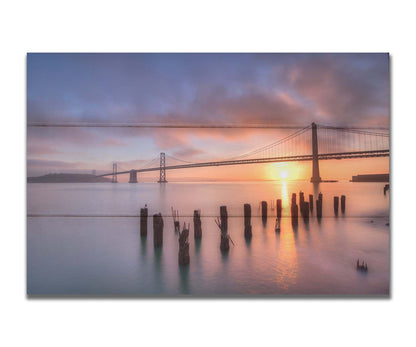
{"x": 301, "y": 198}
{"x": 143, "y": 221}
{"x": 197, "y": 224}
{"x": 293, "y": 198}
{"x": 157, "y": 230}
{"x": 319, "y": 206}
{"x": 183, "y": 256}
{"x": 301, "y": 203}
{"x": 336, "y": 204}
{"x": 225, "y": 242}
{"x": 224, "y": 218}
{"x": 279, "y": 208}
{"x": 294, "y": 213}
{"x": 311, "y": 202}
{"x": 343, "y": 203}
{"x": 264, "y": 210}
{"x": 306, "y": 211}
{"x": 175, "y": 216}
{"x": 247, "y": 221}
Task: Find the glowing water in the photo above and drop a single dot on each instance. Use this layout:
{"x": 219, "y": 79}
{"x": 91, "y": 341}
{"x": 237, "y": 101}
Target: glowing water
{"x": 102, "y": 253}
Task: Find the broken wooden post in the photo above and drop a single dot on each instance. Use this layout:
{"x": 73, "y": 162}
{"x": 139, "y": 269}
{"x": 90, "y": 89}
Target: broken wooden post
{"x": 157, "y": 230}
{"x": 293, "y": 198}
{"x": 311, "y": 202}
{"x": 224, "y": 218}
{"x": 175, "y": 216}
{"x": 143, "y": 221}
{"x": 247, "y": 221}
{"x": 294, "y": 212}
{"x": 386, "y": 188}
{"x": 301, "y": 203}
{"x": 306, "y": 211}
{"x": 264, "y": 211}
{"x": 279, "y": 208}
{"x": 319, "y": 206}
{"x": 183, "y": 256}
{"x": 336, "y": 204}
{"x": 197, "y": 224}
{"x": 225, "y": 243}
{"x": 343, "y": 203}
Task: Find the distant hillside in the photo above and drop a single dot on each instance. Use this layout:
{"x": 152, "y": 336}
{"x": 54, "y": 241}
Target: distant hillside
{"x": 67, "y": 178}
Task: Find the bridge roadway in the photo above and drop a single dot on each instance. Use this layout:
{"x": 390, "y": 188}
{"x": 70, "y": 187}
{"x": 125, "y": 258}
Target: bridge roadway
{"x": 326, "y": 156}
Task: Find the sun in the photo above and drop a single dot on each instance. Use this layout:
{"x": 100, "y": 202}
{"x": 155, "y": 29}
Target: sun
{"x": 280, "y": 171}
{"x": 283, "y": 174}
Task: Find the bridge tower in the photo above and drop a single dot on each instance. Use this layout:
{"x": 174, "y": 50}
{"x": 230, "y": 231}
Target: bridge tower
{"x": 114, "y": 177}
{"x": 162, "y": 177}
{"x": 133, "y": 176}
{"x": 315, "y": 161}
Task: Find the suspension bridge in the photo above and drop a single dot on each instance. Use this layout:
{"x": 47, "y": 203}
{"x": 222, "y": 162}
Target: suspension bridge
{"x": 312, "y": 143}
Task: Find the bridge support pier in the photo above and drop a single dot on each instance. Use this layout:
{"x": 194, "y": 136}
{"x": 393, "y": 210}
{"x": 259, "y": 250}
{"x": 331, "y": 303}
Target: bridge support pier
{"x": 162, "y": 177}
{"x": 316, "y": 178}
{"x": 133, "y": 176}
{"x": 114, "y": 176}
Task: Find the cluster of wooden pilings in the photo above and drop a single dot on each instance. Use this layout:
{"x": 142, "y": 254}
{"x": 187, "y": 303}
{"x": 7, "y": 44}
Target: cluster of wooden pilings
{"x": 305, "y": 207}
{"x": 336, "y": 204}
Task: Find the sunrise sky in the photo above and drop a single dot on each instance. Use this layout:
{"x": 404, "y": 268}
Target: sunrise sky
{"x": 197, "y": 89}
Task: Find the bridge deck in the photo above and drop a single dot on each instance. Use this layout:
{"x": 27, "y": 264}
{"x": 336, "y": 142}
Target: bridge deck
{"x": 326, "y": 156}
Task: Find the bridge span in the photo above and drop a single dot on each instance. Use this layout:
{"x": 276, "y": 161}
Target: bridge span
{"x": 364, "y": 140}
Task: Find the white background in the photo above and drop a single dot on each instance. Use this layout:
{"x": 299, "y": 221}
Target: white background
{"x": 223, "y": 26}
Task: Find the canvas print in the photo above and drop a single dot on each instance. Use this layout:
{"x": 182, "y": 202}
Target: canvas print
{"x": 208, "y": 175}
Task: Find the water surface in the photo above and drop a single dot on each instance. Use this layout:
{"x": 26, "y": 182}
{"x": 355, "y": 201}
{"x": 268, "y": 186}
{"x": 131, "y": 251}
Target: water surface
{"x": 83, "y": 239}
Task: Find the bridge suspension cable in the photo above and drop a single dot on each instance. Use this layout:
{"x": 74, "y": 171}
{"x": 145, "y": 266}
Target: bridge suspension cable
{"x": 180, "y": 160}
{"x": 272, "y": 145}
{"x": 149, "y": 163}
{"x": 340, "y": 139}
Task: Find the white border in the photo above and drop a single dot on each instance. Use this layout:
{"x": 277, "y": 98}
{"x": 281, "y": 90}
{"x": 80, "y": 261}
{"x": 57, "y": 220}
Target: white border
{"x": 264, "y": 26}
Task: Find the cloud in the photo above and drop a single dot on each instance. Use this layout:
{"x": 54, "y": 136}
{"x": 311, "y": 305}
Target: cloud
{"x": 344, "y": 89}
{"x": 50, "y": 163}
{"x": 113, "y": 142}
{"x": 41, "y": 150}
{"x": 187, "y": 152}
{"x": 205, "y": 89}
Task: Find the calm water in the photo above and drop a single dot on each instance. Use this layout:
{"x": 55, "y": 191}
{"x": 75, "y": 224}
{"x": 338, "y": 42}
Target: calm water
{"x": 90, "y": 255}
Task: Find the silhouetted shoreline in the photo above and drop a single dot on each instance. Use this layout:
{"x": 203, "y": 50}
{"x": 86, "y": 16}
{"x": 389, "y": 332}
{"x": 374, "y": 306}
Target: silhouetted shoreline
{"x": 67, "y": 178}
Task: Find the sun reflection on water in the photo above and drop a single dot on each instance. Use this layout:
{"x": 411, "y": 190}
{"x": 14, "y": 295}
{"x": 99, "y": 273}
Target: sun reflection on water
{"x": 288, "y": 265}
